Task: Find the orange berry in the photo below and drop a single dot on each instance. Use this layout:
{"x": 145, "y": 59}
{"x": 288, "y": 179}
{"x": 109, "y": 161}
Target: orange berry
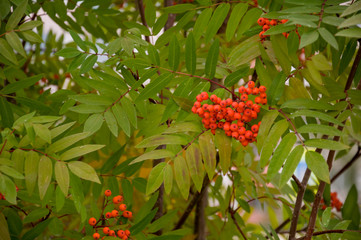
{"x": 199, "y": 98}
{"x": 213, "y": 126}
{"x": 92, "y": 221}
{"x": 213, "y": 98}
{"x": 255, "y": 128}
{"x": 197, "y": 104}
{"x": 235, "y": 135}
{"x": 233, "y": 127}
{"x": 237, "y": 116}
{"x": 258, "y": 100}
{"x": 242, "y": 89}
{"x": 127, "y": 232}
{"x": 106, "y": 230}
{"x": 122, "y": 207}
{"x": 108, "y": 215}
{"x": 107, "y": 193}
{"x": 235, "y": 105}
{"x": 255, "y": 91}
{"x": 217, "y": 108}
{"x": 96, "y": 236}
{"x": 220, "y": 124}
{"x": 251, "y": 84}
{"x": 265, "y": 28}
{"x": 213, "y": 131}
{"x": 210, "y": 108}
{"x": 125, "y": 238}
{"x": 115, "y": 213}
{"x": 229, "y": 101}
{"x": 248, "y": 91}
{"x": 244, "y": 97}
{"x": 121, "y": 233}
{"x": 264, "y": 101}
{"x": 204, "y": 107}
{"x": 284, "y": 20}
{"x": 127, "y": 214}
{"x": 262, "y": 89}
{"x": 273, "y": 22}
{"x": 223, "y": 103}
{"x": 263, "y": 95}
{"x": 226, "y": 126}
{"x": 204, "y": 95}
{"x": 194, "y": 110}
{"x": 117, "y": 199}
{"x": 248, "y": 134}
{"x": 112, "y": 233}
{"x": 244, "y": 143}
{"x": 261, "y": 21}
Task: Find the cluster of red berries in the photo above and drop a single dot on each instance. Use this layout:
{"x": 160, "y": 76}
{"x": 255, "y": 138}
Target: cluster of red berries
{"x": 115, "y": 214}
{"x": 232, "y": 116}
{"x": 335, "y": 202}
{"x": 266, "y": 24}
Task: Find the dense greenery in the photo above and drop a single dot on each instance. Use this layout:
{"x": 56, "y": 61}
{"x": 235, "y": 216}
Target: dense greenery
{"x": 112, "y": 109}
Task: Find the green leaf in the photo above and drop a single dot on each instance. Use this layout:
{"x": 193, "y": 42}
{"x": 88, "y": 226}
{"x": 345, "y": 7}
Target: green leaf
{"x": 32, "y": 36}
{"x": 201, "y": 22}
{"x": 80, "y": 151}
{"x": 154, "y": 87}
{"x": 84, "y": 171}
{"x": 190, "y": 53}
{"x": 111, "y": 122}
{"x": 319, "y": 128}
{"x": 315, "y": 114}
{"x": 195, "y": 165}
{"x": 93, "y": 123}
{"x": 271, "y": 141}
{"x": 163, "y": 221}
{"x": 160, "y": 140}
{"x": 308, "y": 38}
{"x": 266, "y": 123}
{"x": 6, "y": 113}
{"x": 183, "y": 127}
{"x": 179, "y": 8}
{"x": 174, "y": 51}
{"x": 65, "y": 142}
{"x": 18, "y": 85}
{"x": 143, "y": 223}
{"x": 29, "y": 25}
{"x": 159, "y": 24}
{"x": 317, "y": 164}
{"x": 326, "y": 215}
{"x": 356, "y": 6}
{"x": 328, "y": 37}
{"x": 354, "y": 20}
{"x": 291, "y": 164}
{"x": 182, "y": 176}
{"x": 7, "y": 51}
{"x": 45, "y": 172}
{"x": 92, "y": 99}
{"x": 212, "y": 59}
{"x": 350, "y": 209}
{"x": 351, "y": 32}
{"x": 326, "y": 144}
{"x": 31, "y": 170}
{"x": 168, "y": 178}
{"x": 218, "y": 17}
{"x": 43, "y": 132}
{"x": 236, "y": 76}
{"x": 237, "y": 13}
{"x": 14, "y": 41}
{"x": 155, "y": 178}
{"x": 4, "y": 229}
{"x": 122, "y": 119}
{"x": 275, "y": 92}
{"x": 155, "y": 154}
{"x": 68, "y": 52}
{"x": 33, "y": 233}
{"x": 78, "y": 40}
{"x": 301, "y": 103}
{"x": 35, "y": 215}
{"x": 149, "y": 12}
{"x": 281, "y": 28}
{"x": 85, "y": 108}
{"x": 62, "y": 176}
{"x": 11, "y": 172}
{"x": 248, "y": 20}
{"x": 88, "y": 64}
{"x": 130, "y": 111}
{"x": 224, "y": 145}
{"x": 280, "y": 154}
{"x": 16, "y": 15}
{"x": 208, "y": 150}
{"x": 153, "y": 55}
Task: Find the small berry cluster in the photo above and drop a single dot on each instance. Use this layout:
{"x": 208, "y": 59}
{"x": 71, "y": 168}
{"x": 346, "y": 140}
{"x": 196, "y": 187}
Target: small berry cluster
{"x": 123, "y": 234}
{"x": 232, "y": 116}
{"x": 266, "y": 24}
{"x": 335, "y": 202}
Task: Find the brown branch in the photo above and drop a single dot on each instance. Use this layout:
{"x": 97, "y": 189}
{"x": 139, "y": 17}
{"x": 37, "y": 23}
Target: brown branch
{"x": 348, "y": 165}
{"x": 232, "y": 212}
{"x": 192, "y": 203}
{"x": 321, "y": 13}
{"x": 142, "y": 16}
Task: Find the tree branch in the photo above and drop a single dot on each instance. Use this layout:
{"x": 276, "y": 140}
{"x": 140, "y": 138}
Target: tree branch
{"x": 348, "y": 165}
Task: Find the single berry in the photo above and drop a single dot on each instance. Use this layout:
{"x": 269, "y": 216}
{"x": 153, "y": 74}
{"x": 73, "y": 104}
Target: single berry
{"x": 261, "y": 21}
{"x": 112, "y": 233}
{"x": 92, "y": 221}
{"x": 251, "y": 84}
{"x": 106, "y": 230}
{"x": 127, "y": 214}
{"x": 96, "y": 236}
{"x": 121, "y": 233}
{"x": 117, "y": 199}
{"x": 115, "y": 213}
{"x": 108, "y": 215}
{"x": 127, "y": 232}
{"x": 273, "y": 22}
{"x": 107, "y": 193}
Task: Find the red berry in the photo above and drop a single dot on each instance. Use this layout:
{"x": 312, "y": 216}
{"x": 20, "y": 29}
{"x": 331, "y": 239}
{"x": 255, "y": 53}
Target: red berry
{"x": 255, "y": 128}
{"x": 262, "y": 89}
{"x": 204, "y": 95}
{"x": 127, "y": 214}
{"x": 115, "y": 213}
{"x": 106, "y": 230}
{"x": 251, "y": 84}
{"x": 96, "y": 236}
{"x": 117, "y": 199}
{"x": 121, "y": 233}
{"x": 108, "y": 215}
{"x": 261, "y": 21}
{"x": 92, "y": 221}
{"x": 107, "y": 193}
{"x": 112, "y": 233}
{"x": 273, "y": 22}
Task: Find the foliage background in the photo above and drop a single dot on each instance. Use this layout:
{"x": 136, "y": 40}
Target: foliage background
{"x": 125, "y": 85}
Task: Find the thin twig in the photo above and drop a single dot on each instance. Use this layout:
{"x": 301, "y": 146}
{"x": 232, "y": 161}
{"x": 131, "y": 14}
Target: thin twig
{"x": 331, "y": 231}
{"x": 348, "y": 165}
{"x": 190, "y": 143}
{"x": 232, "y": 212}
